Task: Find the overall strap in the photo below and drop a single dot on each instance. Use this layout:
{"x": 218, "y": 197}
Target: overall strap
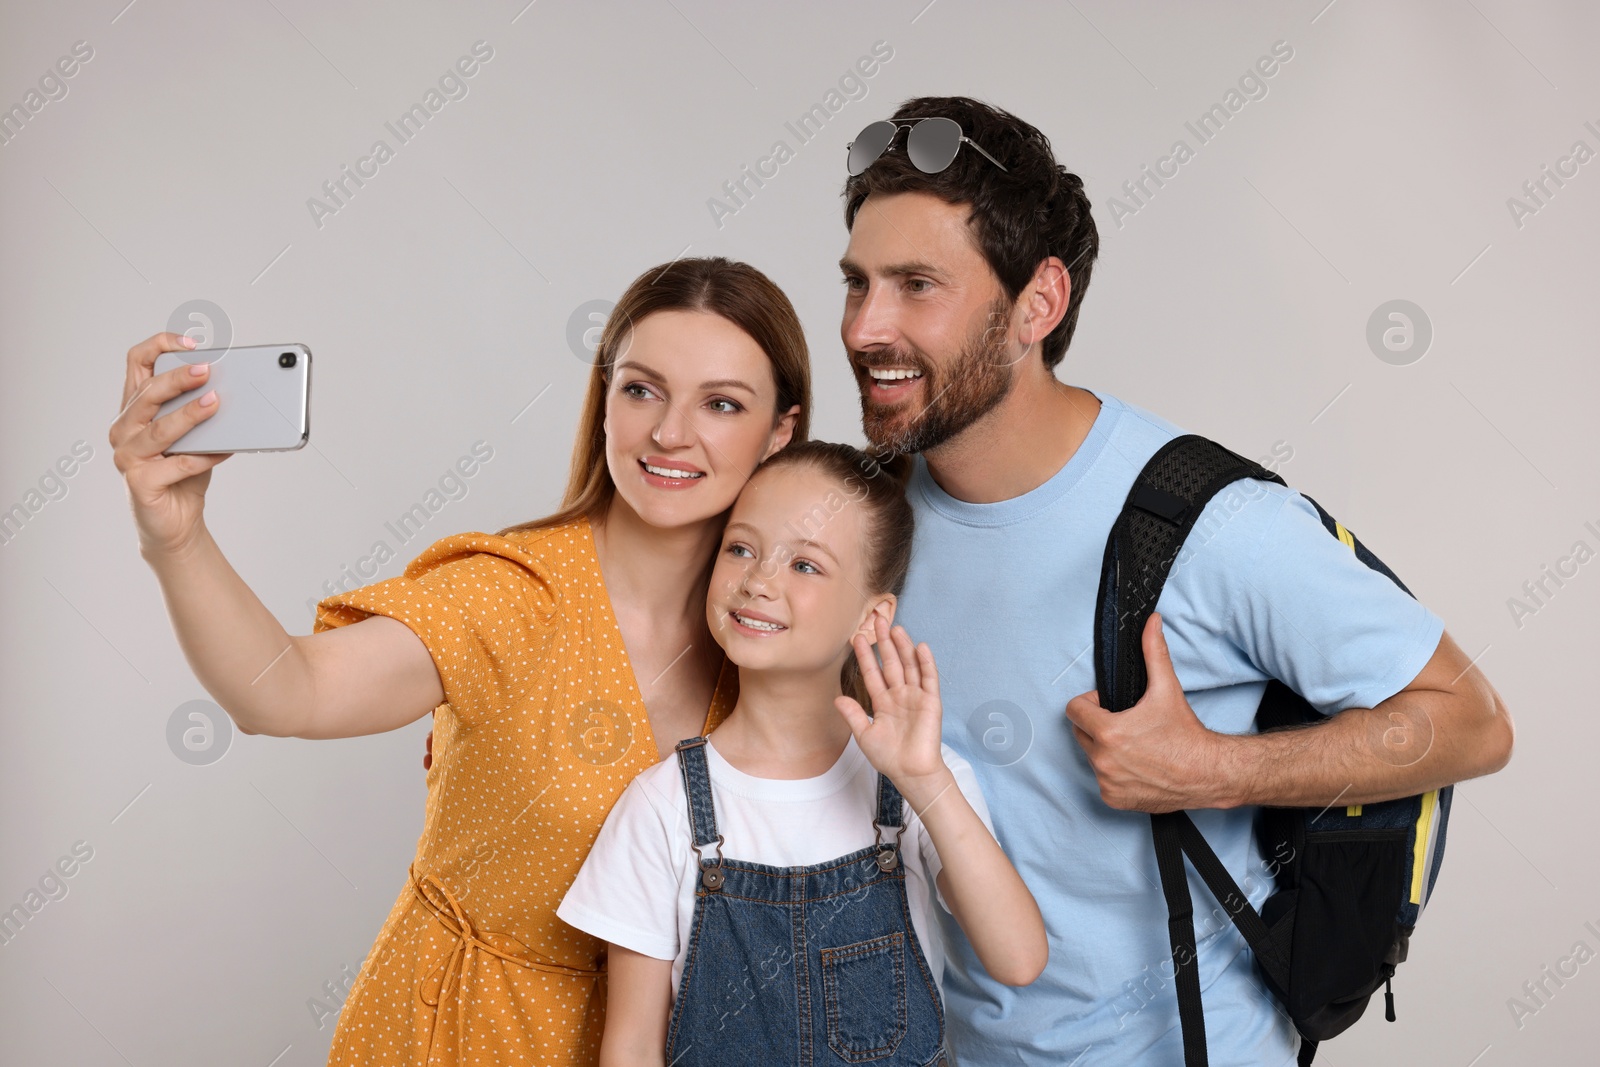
{"x": 891, "y": 805}
{"x": 697, "y": 787}
{"x": 891, "y": 812}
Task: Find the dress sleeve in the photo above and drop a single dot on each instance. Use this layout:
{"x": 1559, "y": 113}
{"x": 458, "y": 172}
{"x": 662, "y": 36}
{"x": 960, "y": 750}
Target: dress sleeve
{"x": 967, "y": 782}
{"x": 483, "y": 605}
{"x": 627, "y": 890}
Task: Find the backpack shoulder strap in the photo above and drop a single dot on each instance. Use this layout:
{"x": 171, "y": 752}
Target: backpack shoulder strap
{"x": 1162, "y": 507}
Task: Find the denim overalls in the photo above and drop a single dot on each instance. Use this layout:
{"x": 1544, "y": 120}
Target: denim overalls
{"x": 802, "y": 966}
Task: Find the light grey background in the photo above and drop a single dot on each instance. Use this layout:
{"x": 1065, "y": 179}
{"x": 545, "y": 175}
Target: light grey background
{"x": 220, "y": 898}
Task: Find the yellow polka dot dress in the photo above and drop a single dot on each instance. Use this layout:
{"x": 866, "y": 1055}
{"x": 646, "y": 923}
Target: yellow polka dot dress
{"x": 542, "y": 727}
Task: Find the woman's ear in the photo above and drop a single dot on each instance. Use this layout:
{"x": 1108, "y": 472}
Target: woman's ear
{"x": 784, "y": 431}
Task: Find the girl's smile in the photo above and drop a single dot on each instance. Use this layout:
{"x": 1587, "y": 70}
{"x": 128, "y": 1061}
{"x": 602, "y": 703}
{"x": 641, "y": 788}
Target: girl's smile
{"x": 754, "y": 623}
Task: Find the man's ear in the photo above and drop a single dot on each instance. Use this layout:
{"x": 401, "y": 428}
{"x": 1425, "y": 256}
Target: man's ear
{"x": 1045, "y": 301}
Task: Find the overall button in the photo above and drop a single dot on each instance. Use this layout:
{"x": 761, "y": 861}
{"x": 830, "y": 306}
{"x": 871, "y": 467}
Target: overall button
{"x": 711, "y": 877}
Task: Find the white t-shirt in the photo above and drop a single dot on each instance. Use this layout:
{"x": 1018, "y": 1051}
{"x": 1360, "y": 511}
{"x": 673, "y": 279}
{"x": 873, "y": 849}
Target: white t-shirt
{"x": 637, "y": 886}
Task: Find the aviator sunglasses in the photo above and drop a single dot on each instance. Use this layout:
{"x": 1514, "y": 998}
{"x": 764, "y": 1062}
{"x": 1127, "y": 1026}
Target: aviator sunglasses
{"x": 932, "y": 144}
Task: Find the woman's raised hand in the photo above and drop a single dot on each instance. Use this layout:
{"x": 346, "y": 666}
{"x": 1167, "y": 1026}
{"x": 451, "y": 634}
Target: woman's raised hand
{"x": 901, "y": 739}
{"x": 167, "y": 493}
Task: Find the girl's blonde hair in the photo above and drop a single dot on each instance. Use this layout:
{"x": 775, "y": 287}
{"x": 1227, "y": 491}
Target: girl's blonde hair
{"x": 737, "y": 292}
{"x": 879, "y": 487}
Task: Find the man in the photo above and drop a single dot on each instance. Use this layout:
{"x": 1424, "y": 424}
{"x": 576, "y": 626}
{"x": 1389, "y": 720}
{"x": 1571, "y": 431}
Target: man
{"x": 963, "y": 289}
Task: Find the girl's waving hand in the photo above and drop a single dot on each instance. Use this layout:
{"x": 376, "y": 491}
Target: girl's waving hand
{"x": 902, "y": 740}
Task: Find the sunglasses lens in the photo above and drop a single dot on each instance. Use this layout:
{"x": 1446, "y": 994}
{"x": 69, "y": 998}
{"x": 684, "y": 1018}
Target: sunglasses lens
{"x": 869, "y": 145}
{"x": 933, "y": 144}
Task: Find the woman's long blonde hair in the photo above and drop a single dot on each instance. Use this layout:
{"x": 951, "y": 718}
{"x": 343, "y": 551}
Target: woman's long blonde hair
{"x": 737, "y": 292}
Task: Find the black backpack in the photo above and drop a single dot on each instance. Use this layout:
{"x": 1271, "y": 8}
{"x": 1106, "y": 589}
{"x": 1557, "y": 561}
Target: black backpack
{"x": 1350, "y": 881}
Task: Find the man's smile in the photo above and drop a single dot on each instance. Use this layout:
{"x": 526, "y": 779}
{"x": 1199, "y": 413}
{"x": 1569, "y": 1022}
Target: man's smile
{"x": 890, "y": 384}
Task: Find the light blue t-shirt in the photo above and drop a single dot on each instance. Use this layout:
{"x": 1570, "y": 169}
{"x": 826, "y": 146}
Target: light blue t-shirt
{"x": 1004, "y": 594}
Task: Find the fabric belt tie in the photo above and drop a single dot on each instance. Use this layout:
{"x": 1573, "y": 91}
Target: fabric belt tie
{"x": 463, "y": 955}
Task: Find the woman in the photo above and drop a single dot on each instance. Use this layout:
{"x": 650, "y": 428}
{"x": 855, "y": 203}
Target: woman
{"x": 562, "y": 656}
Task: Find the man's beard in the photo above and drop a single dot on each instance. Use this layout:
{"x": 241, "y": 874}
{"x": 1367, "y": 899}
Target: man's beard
{"x": 964, "y": 390}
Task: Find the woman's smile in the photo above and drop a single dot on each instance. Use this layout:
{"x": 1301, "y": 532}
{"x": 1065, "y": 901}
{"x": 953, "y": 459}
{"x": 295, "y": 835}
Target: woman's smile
{"x": 669, "y": 474}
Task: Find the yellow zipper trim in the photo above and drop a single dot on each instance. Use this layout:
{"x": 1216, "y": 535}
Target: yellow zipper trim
{"x": 1349, "y": 541}
{"x": 1419, "y": 859}
{"x": 1430, "y": 799}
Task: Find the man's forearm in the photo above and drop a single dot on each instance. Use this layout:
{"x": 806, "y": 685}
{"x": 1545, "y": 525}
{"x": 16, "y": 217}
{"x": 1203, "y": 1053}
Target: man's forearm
{"x": 1448, "y": 725}
{"x": 1411, "y": 743}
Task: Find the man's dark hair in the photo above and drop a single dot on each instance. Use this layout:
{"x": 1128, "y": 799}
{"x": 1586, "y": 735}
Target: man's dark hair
{"x": 1033, "y": 209}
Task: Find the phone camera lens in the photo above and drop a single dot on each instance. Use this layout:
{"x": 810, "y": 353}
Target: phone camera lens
{"x": 286, "y": 360}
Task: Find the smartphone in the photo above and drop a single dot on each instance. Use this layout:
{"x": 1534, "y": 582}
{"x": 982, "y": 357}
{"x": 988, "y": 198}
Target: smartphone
{"x": 263, "y": 399}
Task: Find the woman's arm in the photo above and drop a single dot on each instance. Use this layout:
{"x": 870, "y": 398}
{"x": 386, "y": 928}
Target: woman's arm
{"x": 984, "y": 891}
{"x": 364, "y": 678}
{"x": 638, "y": 1004}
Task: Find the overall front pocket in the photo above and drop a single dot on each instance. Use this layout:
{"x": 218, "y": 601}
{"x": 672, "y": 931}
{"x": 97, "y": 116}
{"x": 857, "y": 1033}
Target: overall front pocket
{"x": 864, "y": 995}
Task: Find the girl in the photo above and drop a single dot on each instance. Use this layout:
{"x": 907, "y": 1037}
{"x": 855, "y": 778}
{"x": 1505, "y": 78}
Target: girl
{"x": 562, "y": 657}
{"x": 766, "y": 891}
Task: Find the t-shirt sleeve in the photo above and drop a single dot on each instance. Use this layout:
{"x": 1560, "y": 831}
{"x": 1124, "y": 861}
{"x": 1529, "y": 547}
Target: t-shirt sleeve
{"x": 627, "y": 890}
{"x": 1305, "y": 610}
{"x": 482, "y": 605}
{"x": 967, "y": 782}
